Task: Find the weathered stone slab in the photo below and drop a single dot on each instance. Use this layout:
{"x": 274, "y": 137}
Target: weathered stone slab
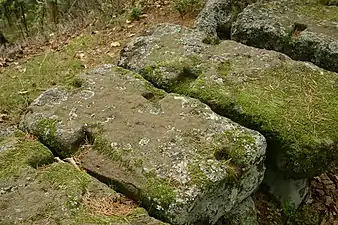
{"x": 186, "y": 164}
{"x": 293, "y": 104}
{"x": 217, "y": 16}
{"x": 304, "y": 30}
{"x": 57, "y": 193}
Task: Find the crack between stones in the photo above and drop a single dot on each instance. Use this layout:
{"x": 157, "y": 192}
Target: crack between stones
{"x": 118, "y": 186}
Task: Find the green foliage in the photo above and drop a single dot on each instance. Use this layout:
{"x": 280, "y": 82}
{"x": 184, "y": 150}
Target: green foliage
{"x": 186, "y": 6}
{"x": 21, "y": 18}
{"x": 304, "y": 215}
{"x": 136, "y": 13}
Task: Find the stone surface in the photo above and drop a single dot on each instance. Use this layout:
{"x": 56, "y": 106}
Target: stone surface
{"x": 288, "y": 191}
{"x": 217, "y": 16}
{"x": 243, "y": 213}
{"x": 293, "y": 104}
{"x": 56, "y": 193}
{"x": 305, "y": 30}
{"x": 64, "y": 141}
{"x": 185, "y": 163}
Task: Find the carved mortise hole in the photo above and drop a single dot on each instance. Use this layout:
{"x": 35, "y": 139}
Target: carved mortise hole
{"x": 298, "y": 28}
{"x": 89, "y": 137}
{"x": 224, "y": 32}
{"x": 221, "y": 154}
{"x": 186, "y": 76}
{"x": 148, "y": 95}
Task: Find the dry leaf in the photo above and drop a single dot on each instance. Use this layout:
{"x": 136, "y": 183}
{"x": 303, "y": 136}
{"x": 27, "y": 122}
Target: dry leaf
{"x": 115, "y": 44}
{"x": 80, "y": 55}
{"x": 23, "y": 92}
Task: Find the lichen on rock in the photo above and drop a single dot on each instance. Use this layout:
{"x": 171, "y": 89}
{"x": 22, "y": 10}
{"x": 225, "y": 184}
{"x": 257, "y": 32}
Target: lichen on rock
{"x": 185, "y": 163}
{"x": 304, "y": 30}
{"x": 34, "y": 190}
{"x": 292, "y": 103}
{"x": 217, "y": 16}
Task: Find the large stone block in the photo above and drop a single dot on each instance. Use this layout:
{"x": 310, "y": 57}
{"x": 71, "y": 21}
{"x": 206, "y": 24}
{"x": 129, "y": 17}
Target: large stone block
{"x": 293, "y": 104}
{"x": 185, "y": 163}
{"x": 303, "y": 29}
{"x": 34, "y": 190}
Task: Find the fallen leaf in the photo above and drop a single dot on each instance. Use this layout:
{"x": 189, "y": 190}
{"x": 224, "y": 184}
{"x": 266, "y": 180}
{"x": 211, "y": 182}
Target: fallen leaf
{"x": 80, "y": 55}
{"x": 23, "y": 92}
{"x": 115, "y": 44}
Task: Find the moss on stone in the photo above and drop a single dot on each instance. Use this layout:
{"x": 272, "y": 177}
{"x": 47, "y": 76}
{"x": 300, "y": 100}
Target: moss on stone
{"x": 210, "y": 40}
{"x": 234, "y": 146}
{"x": 223, "y": 68}
{"x": 46, "y": 130}
{"x": 152, "y": 93}
{"x": 185, "y": 70}
{"x": 101, "y": 145}
{"x": 115, "y": 153}
{"x": 22, "y": 153}
{"x": 121, "y": 70}
{"x": 65, "y": 177}
{"x": 197, "y": 176}
{"x": 293, "y": 105}
{"x": 161, "y": 193}
{"x": 76, "y": 82}
{"x": 47, "y": 124}
{"x": 69, "y": 187}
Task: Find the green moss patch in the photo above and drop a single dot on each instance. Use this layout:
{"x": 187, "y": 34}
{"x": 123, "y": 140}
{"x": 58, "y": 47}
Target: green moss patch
{"x": 61, "y": 194}
{"x": 21, "y": 84}
{"x": 20, "y": 154}
{"x": 293, "y": 105}
{"x": 182, "y": 72}
{"x": 65, "y": 177}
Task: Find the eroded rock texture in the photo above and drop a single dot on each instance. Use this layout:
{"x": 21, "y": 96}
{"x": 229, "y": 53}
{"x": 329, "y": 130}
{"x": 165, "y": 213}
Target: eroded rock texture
{"x": 305, "y": 30}
{"x": 292, "y": 103}
{"x": 185, "y": 163}
{"x": 217, "y": 17}
{"x": 56, "y": 193}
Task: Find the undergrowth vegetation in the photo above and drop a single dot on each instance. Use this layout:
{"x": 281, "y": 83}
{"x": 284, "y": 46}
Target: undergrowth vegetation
{"x": 21, "y": 19}
{"x": 104, "y": 26}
